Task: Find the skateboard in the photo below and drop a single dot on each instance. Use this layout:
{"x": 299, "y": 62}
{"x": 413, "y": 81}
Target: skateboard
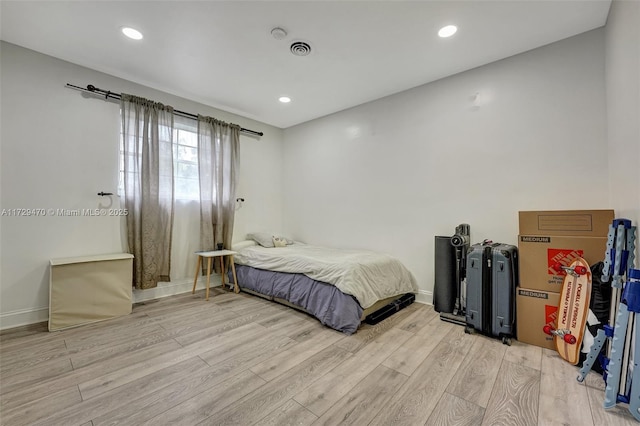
{"x": 573, "y": 310}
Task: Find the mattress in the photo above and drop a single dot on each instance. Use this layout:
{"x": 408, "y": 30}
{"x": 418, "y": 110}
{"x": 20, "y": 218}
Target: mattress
{"x": 368, "y": 276}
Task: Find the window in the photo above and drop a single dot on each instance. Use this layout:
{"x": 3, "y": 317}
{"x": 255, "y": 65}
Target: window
{"x": 185, "y": 162}
{"x": 185, "y": 165}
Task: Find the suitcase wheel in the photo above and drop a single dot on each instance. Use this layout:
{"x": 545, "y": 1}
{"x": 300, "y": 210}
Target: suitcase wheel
{"x": 506, "y": 340}
{"x": 469, "y": 329}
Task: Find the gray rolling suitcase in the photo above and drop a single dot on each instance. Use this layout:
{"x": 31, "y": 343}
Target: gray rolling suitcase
{"x": 492, "y": 277}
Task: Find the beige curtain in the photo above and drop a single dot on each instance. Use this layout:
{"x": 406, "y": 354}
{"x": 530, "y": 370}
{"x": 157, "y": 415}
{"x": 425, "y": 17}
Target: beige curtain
{"x": 218, "y": 166}
{"x": 147, "y": 129}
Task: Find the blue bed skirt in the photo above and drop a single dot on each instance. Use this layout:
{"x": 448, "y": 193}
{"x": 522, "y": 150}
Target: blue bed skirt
{"x": 332, "y": 307}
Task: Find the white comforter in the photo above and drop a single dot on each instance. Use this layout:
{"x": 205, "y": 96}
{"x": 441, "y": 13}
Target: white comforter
{"x": 366, "y": 275}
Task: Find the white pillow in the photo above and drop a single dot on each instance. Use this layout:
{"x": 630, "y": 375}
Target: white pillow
{"x": 266, "y": 240}
{"x": 237, "y": 246}
{"x": 262, "y": 238}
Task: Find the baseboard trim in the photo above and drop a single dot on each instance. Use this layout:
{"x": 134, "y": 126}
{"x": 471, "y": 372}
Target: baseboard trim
{"x": 22, "y": 317}
{"x": 425, "y": 297}
{"x": 31, "y": 316}
{"x": 172, "y": 288}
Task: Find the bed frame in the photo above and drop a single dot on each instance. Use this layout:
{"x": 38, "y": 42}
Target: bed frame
{"x": 373, "y": 308}
{"x": 323, "y": 301}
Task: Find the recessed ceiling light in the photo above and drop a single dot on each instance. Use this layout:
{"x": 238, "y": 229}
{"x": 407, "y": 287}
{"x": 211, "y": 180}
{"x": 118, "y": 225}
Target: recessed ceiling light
{"x": 132, "y": 33}
{"x": 284, "y": 99}
{"x": 447, "y": 31}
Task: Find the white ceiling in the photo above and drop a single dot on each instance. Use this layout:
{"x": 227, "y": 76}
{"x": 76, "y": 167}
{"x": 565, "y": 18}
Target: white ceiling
{"x": 221, "y": 53}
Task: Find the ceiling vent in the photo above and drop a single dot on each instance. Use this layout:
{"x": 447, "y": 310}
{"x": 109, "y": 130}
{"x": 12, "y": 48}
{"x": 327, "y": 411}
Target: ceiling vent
{"x": 300, "y": 48}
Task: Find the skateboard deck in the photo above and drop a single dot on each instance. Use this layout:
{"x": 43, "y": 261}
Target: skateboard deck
{"x": 573, "y": 310}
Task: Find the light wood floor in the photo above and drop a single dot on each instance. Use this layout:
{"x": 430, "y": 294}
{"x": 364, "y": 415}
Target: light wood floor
{"x": 238, "y": 359}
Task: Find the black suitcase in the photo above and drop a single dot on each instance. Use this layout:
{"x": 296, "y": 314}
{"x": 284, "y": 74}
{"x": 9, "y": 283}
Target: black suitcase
{"x": 492, "y": 277}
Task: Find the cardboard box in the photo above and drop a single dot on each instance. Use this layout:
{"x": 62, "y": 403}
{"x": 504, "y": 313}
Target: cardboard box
{"x": 535, "y": 309}
{"x": 541, "y": 258}
{"x": 579, "y": 223}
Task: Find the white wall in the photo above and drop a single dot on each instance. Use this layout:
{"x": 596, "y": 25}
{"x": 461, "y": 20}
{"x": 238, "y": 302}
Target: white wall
{"x": 623, "y": 107}
{"x": 391, "y": 174}
{"x": 59, "y": 148}
{"x": 388, "y": 175}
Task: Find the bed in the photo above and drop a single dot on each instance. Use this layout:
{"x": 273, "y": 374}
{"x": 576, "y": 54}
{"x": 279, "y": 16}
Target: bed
{"x": 339, "y": 287}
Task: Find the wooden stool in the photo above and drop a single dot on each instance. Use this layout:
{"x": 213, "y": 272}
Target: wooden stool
{"x": 210, "y": 255}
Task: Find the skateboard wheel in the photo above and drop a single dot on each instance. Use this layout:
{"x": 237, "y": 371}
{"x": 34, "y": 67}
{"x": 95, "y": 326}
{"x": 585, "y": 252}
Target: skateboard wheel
{"x": 570, "y": 339}
{"x": 580, "y": 270}
{"x": 547, "y": 329}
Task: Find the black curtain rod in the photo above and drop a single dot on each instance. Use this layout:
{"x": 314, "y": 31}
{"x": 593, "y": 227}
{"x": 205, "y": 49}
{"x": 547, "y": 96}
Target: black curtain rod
{"x": 112, "y": 95}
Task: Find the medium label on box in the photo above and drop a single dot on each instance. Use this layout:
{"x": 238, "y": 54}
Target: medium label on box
{"x": 536, "y": 294}
{"x": 534, "y": 239}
